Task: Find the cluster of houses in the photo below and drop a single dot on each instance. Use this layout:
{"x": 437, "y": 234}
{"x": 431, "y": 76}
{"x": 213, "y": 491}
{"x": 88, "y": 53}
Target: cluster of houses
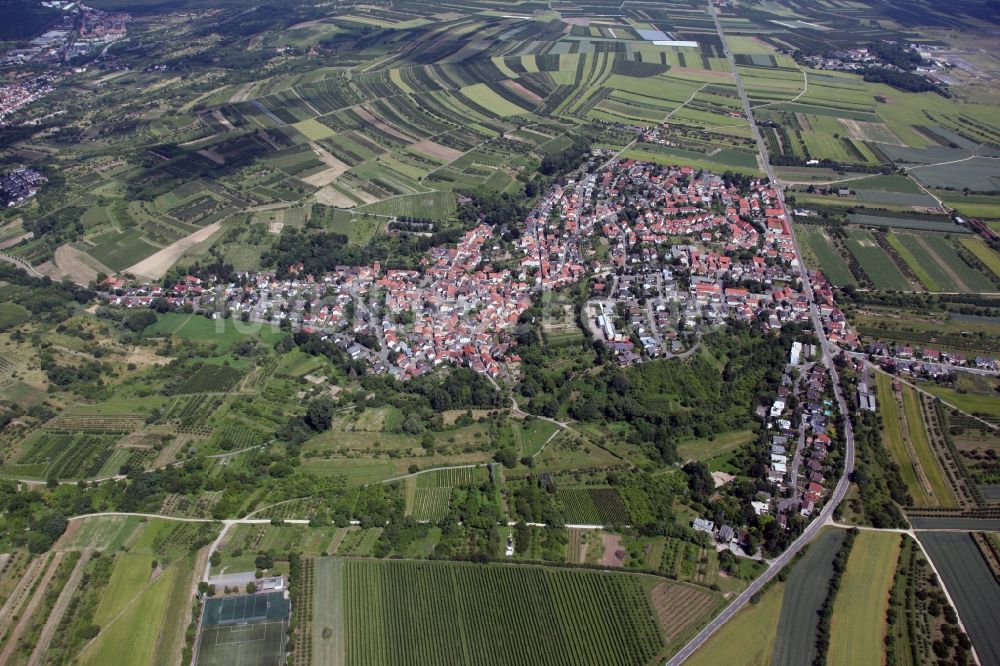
{"x": 20, "y": 185}
{"x": 16, "y": 95}
{"x": 926, "y": 362}
{"x": 799, "y": 445}
{"x": 738, "y": 258}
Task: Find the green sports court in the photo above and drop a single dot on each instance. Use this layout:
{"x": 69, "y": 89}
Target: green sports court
{"x": 246, "y": 630}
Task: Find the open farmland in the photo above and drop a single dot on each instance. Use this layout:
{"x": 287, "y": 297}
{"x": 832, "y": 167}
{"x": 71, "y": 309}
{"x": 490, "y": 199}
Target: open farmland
{"x": 857, "y": 629}
{"x": 748, "y": 638}
{"x": 600, "y": 506}
{"x": 461, "y": 613}
{"x": 905, "y": 435}
{"x": 804, "y": 593}
{"x": 827, "y": 256}
{"x": 971, "y": 585}
{"x": 874, "y": 261}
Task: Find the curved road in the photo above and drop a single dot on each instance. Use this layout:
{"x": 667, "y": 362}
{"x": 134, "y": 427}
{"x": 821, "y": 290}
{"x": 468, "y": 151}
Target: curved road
{"x": 837, "y": 496}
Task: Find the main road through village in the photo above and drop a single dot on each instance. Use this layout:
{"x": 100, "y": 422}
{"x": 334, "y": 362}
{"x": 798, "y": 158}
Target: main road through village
{"x": 840, "y": 490}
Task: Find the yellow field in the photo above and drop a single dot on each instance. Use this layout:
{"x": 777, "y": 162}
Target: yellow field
{"x": 857, "y": 630}
{"x": 483, "y": 96}
{"x": 983, "y": 253}
{"x": 942, "y": 492}
{"x": 313, "y": 129}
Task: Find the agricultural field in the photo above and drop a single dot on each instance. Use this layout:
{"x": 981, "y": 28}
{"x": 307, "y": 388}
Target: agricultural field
{"x": 905, "y": 435}
{"x": 130, "y": 578}
{"x": 461, "y": 612}
{"x": 875, "y": 263}
{"x": 971, "y": 585}
{"x": 590, "y": 505}
{"x": 822, "y": 252}
{"x": 749, "y": 637}
{"x": 857, "y": 630}
{"x": 804, "y": 593}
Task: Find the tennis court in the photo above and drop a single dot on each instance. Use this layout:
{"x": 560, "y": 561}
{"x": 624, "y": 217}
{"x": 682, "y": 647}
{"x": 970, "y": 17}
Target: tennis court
{"x": 245, "y": 608}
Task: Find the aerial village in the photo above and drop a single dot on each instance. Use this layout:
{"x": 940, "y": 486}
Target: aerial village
{"x": 679, "y": 250}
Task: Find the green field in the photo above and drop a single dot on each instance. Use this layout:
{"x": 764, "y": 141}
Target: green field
{"x": 892, "y": 437}
{"x": 805, "y": 591}
{"x": 746, "y": 639}
{"x": 224, "y": 333}
{"x": 139, "y": 609}
{"x": 931, "y": 466}
{"x": 857, "y": 629}
{"x": 827, "y": 257}
{"x": 328, "y": 612}
{"x": 983, "y": 252}
{"x": 967, "y": 402}
{"x": 874, "y": 261}
{"x": 714, "y": 447}
{"x": 433, "y": 612}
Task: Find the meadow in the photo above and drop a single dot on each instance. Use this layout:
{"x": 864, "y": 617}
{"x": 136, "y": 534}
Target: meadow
{"x": 748, "y": 638}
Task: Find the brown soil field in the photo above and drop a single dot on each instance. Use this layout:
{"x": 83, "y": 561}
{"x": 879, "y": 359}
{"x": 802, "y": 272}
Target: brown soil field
{"x": 521, "y": 91}
{"x": 331, "y": 197}
{"x": 76, "y": 265}
{"x": 382, "y": 125}
{"x": 678, "y": 607}
{"x": 434, "y": 149}
{"x": 155, "y": 266}
{"x": 614, "y": 554}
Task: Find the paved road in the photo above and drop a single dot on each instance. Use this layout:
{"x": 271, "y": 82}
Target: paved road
{"x": 943, "y": 367}
{"x": 827, "y": 359}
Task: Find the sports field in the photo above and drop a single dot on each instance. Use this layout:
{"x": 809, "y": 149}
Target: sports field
{"x": 247, "y": 630}
{"x": 250, "y": 644}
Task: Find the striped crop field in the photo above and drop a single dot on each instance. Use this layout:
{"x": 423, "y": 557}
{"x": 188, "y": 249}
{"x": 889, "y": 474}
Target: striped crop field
{"x": 408, "y": 612}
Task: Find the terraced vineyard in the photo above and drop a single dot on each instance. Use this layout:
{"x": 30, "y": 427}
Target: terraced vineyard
{"x": 454, "y": 613}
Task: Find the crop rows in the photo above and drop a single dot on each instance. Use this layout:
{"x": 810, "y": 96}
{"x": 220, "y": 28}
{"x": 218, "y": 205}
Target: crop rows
{"x": 69, "y": 456}
{"x": 600, "y": 506}
{"x": 192, "y": 409}
{"x": 302, "y": 586}
{"x": 188, "y": 537}
{"x": 679, "y": 607}
{"x": 680, "y": 558}
{"x": 436, "y": 613}
{"x": 431, "y": 503}
{"x": 108, "y": 423}
{"x": 447, "y": 478}
{"x": 211, "y": 379}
